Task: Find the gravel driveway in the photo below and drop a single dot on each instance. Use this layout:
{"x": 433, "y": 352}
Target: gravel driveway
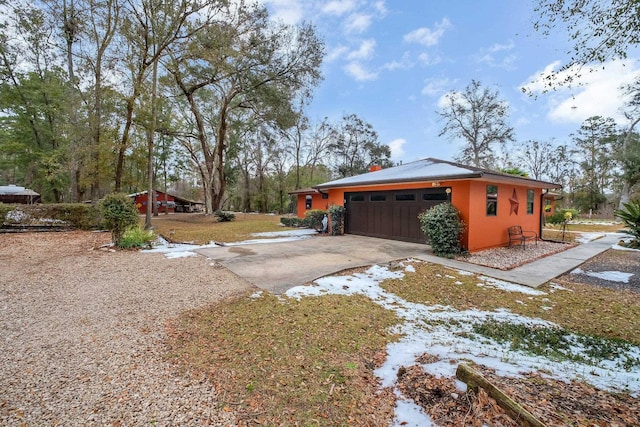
{"x": 82, "y": 333}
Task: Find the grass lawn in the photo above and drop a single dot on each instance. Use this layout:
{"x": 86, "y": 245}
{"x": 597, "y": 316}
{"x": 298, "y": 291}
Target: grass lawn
{"x": 201, "y": 229}
{"x": 573, "y": 230}
{"x": 310, "y": 361}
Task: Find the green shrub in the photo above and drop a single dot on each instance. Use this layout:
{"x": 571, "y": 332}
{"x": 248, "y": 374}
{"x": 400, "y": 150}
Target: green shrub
{"x": 558, "y": 216}
{"x": 313, "y": 218}
{"x": 292, "y": 221}
{"x": 630, "y": 216}
{"x": 443, "y": 227}
{"x": 136, "y": 237}
{"x": 118, "y": 215}
{"x": 336, "y": 213}
{"x": 225, "y": 216}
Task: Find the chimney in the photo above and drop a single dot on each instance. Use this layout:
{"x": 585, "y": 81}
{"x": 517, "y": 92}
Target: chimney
{"x": 374, "y": 168}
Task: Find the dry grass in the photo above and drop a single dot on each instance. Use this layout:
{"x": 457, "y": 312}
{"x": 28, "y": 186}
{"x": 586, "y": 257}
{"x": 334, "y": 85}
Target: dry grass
{"x": 310, "y": 361}
{"x": 572, "y": 231}
{"x": 585, "y": 309}
{"x": 201, "y": 229}
{"x": 291, "y": 362}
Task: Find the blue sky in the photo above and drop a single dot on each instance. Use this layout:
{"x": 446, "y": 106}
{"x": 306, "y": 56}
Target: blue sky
{"x": 392, "y": 62}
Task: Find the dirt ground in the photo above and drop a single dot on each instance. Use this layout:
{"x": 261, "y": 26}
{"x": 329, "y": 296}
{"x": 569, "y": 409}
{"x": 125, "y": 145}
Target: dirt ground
{"x": 63, "y": 387}
{"x": 606, "y": 263}
{"x": 82, "y": 333}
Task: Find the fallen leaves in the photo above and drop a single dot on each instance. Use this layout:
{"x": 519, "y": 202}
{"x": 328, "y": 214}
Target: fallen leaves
{"x": 555, "y": 403}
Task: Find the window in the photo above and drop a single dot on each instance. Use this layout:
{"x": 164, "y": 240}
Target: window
{"x": 308, "y": 202}
{"x": 529, "y": 201}
{"x": 405, "y": 197}
{"x": 356, "y": 198}
{"x": 492, "y": 200}
{"x": 378, "y": 198}
{"x": 433, "y": 196}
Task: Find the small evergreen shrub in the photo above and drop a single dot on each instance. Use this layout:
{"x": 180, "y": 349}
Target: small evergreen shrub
{"x": 118, "y": 215}
{"x": 136, "y": 237}
{"x": 336, "y": 214}
{"x": 443, "y": 227}
{"x": 313, "y": 218}
{"x": 559, "y": 216}
{"x": 292, "y": 221}
{"x": 225, "y": 216}
{"x": 630, "y": 216}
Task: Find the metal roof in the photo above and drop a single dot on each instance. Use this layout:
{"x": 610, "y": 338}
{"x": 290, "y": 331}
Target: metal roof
{"x": 431, "y": 169}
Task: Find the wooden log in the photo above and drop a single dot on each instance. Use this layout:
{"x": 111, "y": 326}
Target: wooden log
{"x": 474, "y": 379}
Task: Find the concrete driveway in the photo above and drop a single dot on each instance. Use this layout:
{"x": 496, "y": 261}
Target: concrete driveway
{"x": 276, "y": 267}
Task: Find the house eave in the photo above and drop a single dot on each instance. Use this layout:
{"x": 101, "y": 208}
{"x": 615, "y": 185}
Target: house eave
{"x": 476, "y": 176}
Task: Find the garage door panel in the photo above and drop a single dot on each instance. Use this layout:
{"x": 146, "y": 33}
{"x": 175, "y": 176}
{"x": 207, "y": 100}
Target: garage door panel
{"x": 390, "y": 214}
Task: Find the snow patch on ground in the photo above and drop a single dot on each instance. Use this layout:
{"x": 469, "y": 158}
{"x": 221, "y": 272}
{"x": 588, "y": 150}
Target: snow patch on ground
{"x": 490, "y": 282}
{"x": 180, "y": 250}
{"x": 611, "y": 276}
{"x": 447, "y": 333}
{"x": 588, "y": 237}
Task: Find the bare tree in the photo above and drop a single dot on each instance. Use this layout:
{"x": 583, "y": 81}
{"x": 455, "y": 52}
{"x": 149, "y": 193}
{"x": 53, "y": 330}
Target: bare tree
{"x": 477, "y": 117}
{"x": 534, "y": 156}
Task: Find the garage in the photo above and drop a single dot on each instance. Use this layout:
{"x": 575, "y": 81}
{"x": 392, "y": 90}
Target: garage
{"x": 391, "y": 214}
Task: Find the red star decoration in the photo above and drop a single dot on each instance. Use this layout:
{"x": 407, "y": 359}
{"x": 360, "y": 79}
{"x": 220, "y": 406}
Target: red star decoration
{"x": 514, "y": 203}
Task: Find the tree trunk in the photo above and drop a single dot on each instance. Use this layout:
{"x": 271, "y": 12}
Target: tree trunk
{"x": 71, "y": 29}
{"x": 474, "y": 379}
{"x": 627, "y": 187}
{"x": 151, "y": 130}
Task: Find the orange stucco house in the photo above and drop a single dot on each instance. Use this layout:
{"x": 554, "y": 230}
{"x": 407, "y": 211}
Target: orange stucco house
{"x": 385, "y": 203}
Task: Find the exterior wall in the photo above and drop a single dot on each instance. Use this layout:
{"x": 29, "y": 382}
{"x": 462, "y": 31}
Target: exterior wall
{"x": 165, "y": 203}
{"x": 486, "y": 231}
{"x": 317, "y": 202}
{"x": 470, "y": 198}
{"x": 551, "y": 209}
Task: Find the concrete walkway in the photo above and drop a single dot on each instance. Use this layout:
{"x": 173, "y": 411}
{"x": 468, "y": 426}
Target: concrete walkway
{"x": 538, "y": 272}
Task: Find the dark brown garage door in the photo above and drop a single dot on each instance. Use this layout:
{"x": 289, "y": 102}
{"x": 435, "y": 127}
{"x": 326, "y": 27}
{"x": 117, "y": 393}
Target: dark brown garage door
{"x": 391, "y": 214}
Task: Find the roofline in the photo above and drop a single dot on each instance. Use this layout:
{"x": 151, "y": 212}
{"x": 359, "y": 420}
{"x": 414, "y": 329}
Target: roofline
{"x": 308, "y": 190}
{"x": 476, "y": 177}
{"x": 195, "y": 202}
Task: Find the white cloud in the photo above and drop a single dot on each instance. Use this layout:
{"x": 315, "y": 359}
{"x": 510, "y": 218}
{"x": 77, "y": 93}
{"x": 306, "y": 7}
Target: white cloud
{"x": 426, "y": 36}
{"x": 380, "y": 7}
{"x": 500, "y": 47}
{"x": 435, "y": 87}
{"x": 494, "y": 56}
{"x": 288, "y": 11}
{"x": 593, "y": 93}
{"x": 403, "y": 64}
{"x": 358, "y": 72}
{"x": 427, "y": 59}
{"x": 338, "y": 7}
{"x": 357, "y": 23}
{"x": 365, "y": 51}
{"x": 397, "y": 148}
{"x": 444, "y": 100}
{"x": 336, "y": 53}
